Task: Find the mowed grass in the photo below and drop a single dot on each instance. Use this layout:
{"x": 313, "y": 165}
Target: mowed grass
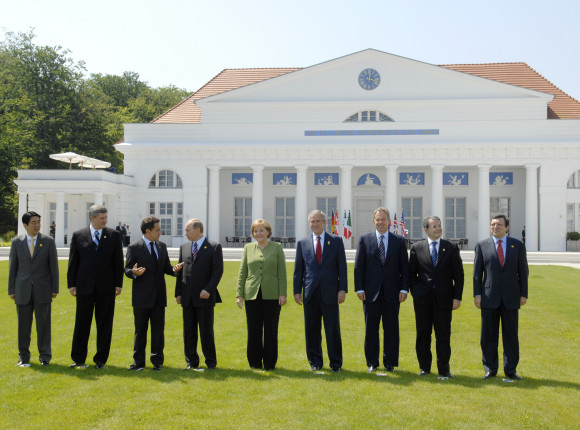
{"x": 235, "y": 397}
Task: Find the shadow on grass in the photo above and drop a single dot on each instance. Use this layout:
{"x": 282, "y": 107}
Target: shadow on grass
{"x": 398, "y": 378}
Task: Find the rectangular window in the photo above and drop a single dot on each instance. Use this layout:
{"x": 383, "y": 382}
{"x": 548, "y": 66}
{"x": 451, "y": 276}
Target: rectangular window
{"x": 166, "y": 226}
{"x": 328, "y": 205}
{"x": 171, "y": 220}
{"x": 52, "y": 216}
{"x": 413, "y": 207}
{"x": 243, "y": 216}
{"x": 455, "y": 218}
{"x": 364, "y": 115}
{"x": 179, "y": 225}
{"x": 284, "y": 217}
{"x": 373, "y": 115}
{"x": 570, "y": 218}
{"x": 499, "y": 206}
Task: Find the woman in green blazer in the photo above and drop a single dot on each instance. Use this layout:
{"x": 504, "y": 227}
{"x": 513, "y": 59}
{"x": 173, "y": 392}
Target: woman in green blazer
{"x": 262, "y": 285}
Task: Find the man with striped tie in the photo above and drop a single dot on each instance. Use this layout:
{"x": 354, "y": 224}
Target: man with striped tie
{"x": 196, "y": 291}
{"x": 436, "y": 282}
{"x": 381, "y": 278}
{"x": 95, "y": 278}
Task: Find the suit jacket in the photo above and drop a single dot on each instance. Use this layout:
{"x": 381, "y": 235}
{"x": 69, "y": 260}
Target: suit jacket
{"x": 148, "y": 289}
{"x": 95, "y": 272}
{"x": 35, "y": 275}
{"x": 370, "y": 274}
{"x": 264, "y": 269}
{"x": 330, "y": 275}
{"x": 447, "y": 275}
{"x": 202, "y": 274}
{"x": 496, "y": 284}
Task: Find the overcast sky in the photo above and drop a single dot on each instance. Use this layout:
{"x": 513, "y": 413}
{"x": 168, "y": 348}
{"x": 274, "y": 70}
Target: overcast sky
{"x": 187, "y": 43}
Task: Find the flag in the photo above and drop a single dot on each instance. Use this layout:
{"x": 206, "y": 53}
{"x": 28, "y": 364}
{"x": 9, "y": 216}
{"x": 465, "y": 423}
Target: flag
{"x": 336, "y": 229}
{"x": 344, "y": 225}
{"x": 348, "y": 228}
{"x": 403, "y": 223}
{"x": 395, "y": 226}
{"x": 332, "y": 224}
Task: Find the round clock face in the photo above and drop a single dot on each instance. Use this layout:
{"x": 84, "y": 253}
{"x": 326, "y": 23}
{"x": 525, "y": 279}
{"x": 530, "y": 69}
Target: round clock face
{"x": 369, "y": 79}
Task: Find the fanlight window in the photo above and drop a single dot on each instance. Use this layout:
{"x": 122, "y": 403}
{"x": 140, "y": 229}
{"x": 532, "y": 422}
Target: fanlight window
{"x": 165, "y": 179}
{"x": 368, "y": 116}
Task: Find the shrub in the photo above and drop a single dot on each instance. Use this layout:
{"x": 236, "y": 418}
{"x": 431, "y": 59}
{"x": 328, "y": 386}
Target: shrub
{"x": 573, "y": 235}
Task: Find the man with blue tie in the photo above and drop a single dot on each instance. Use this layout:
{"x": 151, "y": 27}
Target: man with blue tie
{"x": 320, "y": 282}
{"x": 381, "y": 281}
{"x": 500, "y": 288}
{"x": 436, "y": 282}
{"x": 95, "y": 278}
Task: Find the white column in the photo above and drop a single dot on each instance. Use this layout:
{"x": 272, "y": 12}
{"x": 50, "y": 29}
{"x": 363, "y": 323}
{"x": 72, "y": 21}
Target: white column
{"x": 22, "y": 209}
{"x": 301, "y": 202}
{"x": 213, "y": 210}
{"x": 258, "y": 192}
{"x": 483, "y": 220}
{"x": 59, "y": 220}
{"x": 346, "y": 196}
{"x": 532, "y": 207}
{"x": 437, "y": 190}
{"x": 99, "y": 199}
{"x": 391, "y": 188}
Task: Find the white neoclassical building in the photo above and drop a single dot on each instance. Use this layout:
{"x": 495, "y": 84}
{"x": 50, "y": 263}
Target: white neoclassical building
{"x": 368, "y": 129}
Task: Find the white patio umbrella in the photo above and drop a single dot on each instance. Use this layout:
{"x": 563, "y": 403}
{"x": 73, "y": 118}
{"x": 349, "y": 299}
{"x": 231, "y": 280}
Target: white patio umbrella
{"x": 68, "y": 157}
{"x": 94, "y": 163}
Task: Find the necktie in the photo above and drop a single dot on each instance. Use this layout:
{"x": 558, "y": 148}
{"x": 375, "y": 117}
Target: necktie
{"x": 434, "y": 253}
{"x": 318, "y": 249}
{"x": 194, "y": 253}
{"x": 31, "y": 246}
{"x": 382, "y": 249}
{"x": 153, "y": 254}
{"x": 500, "y": 255}
{"x": 96, "y": 241}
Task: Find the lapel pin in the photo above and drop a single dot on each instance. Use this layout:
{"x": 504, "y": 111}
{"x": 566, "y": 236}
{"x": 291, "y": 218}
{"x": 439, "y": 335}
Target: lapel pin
{"x": 513, "y": 246}
{"x": 205, "y": 247}
{"x": 104, "y": 237}
{"x": 328, "y": 243}
{"x": 41, "y": 245}
{"x": 443, "y": 250}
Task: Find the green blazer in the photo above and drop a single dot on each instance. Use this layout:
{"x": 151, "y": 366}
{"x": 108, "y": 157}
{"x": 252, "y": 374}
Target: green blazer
{"x": 262, "y": 268}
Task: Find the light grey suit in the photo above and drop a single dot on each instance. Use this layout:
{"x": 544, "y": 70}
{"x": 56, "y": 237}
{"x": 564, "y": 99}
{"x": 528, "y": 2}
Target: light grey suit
{"x": 33, "y": 280}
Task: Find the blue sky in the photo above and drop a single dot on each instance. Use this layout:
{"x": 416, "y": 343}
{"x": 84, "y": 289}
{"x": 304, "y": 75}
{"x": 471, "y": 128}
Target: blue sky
{"x": 186, "y": 43}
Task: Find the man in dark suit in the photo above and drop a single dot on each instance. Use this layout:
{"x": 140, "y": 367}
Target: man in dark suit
{"x": 320, "y": 281}
{"x": 32, "y": 284}
{"x": 121, "y": 229}
{"x": 95, "y": 278}
{"x": 196, "y": 291}
{"x": 436, "y": 281}
{"x": 147, "y": 264}
{"x": 500, "y": 288}
{"x": 381, "y": 276}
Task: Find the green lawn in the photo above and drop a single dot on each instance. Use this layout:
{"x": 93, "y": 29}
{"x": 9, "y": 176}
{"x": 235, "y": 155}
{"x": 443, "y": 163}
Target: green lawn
{"x": 233, "y": 396}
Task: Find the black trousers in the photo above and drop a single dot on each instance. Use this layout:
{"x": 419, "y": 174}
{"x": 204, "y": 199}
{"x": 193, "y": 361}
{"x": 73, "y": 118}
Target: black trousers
{"x": 315, "y": 311}
{"x": 202, "y": 317}
{"x": 103, "y": 307}
{"x": 262, "y": 317}
{"x": 155, "y": 316}
{"x": 389, "y": 313}
{"x": 490, "y": 320}
{"x": 429, "y": 316}
{"x": 42, "y": 313}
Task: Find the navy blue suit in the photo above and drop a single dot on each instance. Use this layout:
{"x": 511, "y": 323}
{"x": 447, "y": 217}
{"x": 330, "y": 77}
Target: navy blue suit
{"x": 382, "y": 284}
{"x": 319, "y": 285}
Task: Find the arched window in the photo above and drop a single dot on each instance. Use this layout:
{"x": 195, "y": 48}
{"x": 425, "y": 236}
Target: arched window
{"x": 369, "y": 116}
{"x": 165, "y": 179}
{"x": 574, "y": 180}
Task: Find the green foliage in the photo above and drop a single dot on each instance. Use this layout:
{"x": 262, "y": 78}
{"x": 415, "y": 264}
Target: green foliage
{"x": 573, "y": 235}
{"x": 291, "y": 397}
{"x": 47, "y": 106}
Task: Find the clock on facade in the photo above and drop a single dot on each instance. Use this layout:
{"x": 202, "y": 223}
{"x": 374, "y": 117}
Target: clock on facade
{"x": 369, "y": 79}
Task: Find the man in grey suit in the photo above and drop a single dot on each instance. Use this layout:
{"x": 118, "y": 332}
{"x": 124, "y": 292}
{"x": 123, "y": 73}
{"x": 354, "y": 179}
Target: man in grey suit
{"x": 32, "y": 284}
{"x": 500, "y": 288}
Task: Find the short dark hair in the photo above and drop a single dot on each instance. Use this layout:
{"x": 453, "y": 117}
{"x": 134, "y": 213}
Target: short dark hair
{"x": 148, "y": 223}
{"x": 28, "y": 215}
{"x": 426, "y": 220}
{"x": 505, "y": 218}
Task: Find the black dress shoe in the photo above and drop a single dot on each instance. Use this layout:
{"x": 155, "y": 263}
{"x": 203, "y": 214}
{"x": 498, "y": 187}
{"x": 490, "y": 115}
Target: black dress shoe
{"x": 99, "y": 365}
{"x": 336, "y": 370}
{"x": 371, "y": 369}
{"x": 489, "y": 375}
{"x": 22, "y": 363}
{"x": 78, "y": 366}
{"x": 314, "y": 368}
{"x": 157, "y": 367}
{"x": 43, "y": 363}
{"x": 389, "y": 368}
{"x": 447, "y": 375}
{"x": 514, "y": 376}
{"x": 136, "y": 367}
{"x": 424, "y": 372}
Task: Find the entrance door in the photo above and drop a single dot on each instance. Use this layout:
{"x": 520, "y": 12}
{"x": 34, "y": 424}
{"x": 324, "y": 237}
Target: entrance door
{"x": 363, "y": 223}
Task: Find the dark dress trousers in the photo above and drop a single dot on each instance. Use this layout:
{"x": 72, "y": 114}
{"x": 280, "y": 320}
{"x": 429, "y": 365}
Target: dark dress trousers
{"x": 202, "y": 274}
{"x": 433, "y": 290}
{"x": 319, "y": 285}
{"x": 501, "y": 289}
{"x": 33, "y": 280}
{"x": 382, "y": 284}
{"x": 149, "y": 298}
{"x": 95, "y": 274}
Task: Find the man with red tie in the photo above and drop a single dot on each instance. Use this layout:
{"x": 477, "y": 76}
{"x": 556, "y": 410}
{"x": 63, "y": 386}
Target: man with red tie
{"x": 500, "y": 288}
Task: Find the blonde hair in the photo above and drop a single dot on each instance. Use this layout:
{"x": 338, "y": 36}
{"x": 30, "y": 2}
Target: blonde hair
{"x": 263, "y": 222}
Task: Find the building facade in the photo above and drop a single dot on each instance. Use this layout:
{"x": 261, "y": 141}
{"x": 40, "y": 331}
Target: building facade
{"x": 365, "y": 130}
